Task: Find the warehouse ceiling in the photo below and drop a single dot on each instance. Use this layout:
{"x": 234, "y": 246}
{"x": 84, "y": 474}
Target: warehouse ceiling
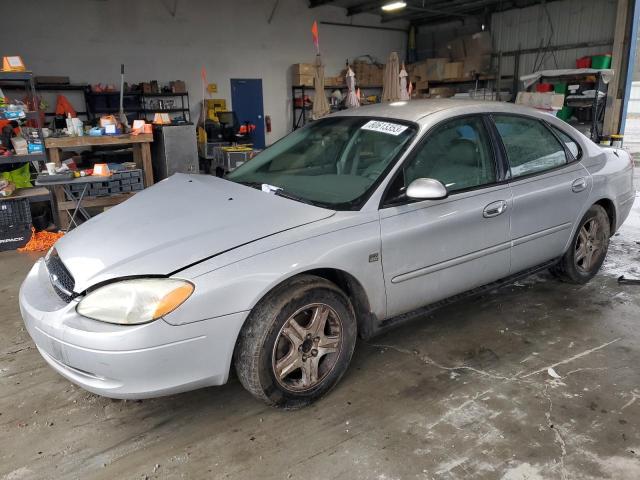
{"x": 420, "y": 12}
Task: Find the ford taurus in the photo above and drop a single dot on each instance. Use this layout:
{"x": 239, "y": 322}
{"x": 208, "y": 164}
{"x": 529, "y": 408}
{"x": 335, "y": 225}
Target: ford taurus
{"x": 343, "y": 228}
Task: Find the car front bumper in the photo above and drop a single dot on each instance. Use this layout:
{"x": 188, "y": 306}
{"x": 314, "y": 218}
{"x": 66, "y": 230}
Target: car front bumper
{"x": 138, "y": 361}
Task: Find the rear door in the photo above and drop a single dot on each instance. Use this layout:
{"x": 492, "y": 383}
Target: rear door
{"x": 549, "y": 186}
{"x": 433, "y": 249}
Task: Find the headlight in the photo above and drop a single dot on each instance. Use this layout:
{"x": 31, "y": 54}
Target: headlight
{"x": 131, "y": 302}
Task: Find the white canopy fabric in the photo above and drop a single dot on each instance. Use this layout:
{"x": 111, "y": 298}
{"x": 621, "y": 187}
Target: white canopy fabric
{"x": 532, "y": 78}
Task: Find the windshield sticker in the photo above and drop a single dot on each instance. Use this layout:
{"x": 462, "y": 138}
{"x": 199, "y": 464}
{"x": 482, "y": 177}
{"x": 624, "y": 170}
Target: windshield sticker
{"x": 384, "y": 127}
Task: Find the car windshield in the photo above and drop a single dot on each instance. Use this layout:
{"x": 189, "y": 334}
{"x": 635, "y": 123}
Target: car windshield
{"x": 333, "y": 162}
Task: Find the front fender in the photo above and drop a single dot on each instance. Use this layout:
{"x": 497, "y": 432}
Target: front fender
{"x": 239, "y": 285}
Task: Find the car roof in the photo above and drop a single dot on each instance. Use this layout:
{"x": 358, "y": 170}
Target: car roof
{"x": 414, "y": 110}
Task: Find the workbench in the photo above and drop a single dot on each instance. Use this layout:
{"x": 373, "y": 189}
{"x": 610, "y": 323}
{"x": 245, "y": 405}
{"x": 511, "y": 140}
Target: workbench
{"x": 141, "y": 155}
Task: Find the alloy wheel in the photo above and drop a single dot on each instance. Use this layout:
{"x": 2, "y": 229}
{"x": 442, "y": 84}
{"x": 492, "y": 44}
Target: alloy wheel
{"x": 307, "y": 347}
{"x": 589, "y": 246}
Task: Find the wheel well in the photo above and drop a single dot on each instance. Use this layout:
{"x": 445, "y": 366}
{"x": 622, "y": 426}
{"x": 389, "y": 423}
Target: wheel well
{"x": 610, "y": 208}
{"x": 356, "y": 293}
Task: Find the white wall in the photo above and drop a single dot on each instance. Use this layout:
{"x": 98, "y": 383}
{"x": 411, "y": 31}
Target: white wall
{"x": 87, "y": 40}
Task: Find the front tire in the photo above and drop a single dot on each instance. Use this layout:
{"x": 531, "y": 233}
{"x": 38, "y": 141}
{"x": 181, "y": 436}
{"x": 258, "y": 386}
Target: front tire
{"x": 588, "y": 248}
{"x": 297, "y": 343}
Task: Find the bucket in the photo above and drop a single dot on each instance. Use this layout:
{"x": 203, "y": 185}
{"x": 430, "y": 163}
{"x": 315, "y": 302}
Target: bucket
{"x": 617, "y": 140}
{"x": 601, "y": 61}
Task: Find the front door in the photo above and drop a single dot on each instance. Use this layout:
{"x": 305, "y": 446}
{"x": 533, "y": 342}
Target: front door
{"x": 550, "y": 189}
{"x": 433, "y": 249}
{"x": 246, "y": 101}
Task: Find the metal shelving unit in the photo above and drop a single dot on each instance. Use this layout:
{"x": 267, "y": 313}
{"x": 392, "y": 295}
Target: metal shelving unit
{"x": 183, "y": 108}
{"x": 300, "y": 119}
{"x": 24, "y": 81}
{"x": 596, "y": 105}
{"x": 99, "y": 103}
{"x": 54, "y": 87}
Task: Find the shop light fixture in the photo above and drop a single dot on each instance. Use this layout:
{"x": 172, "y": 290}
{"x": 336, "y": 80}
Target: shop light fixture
{"x": 393, "y": 6}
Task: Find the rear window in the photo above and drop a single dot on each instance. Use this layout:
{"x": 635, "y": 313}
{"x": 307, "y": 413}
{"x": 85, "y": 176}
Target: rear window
{"x": 531, "y": 147}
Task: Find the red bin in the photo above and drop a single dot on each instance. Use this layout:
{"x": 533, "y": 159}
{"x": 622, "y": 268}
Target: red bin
{"x": 583, "y": 62}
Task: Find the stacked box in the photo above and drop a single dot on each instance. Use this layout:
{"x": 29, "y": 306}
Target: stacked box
{"x": 303, "y": 74}
{"x": 119, "y": 182}
{"x": 368, "y": 74}
{"x": 454, "y": 70}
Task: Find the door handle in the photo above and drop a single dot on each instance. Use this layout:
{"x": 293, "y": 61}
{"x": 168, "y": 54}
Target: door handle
{"x": 494, "y": 209}
{"x": 579, "y": 185}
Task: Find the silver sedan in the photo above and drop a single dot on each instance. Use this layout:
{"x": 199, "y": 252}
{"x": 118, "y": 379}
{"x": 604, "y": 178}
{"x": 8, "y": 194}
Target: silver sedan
{"x": 344, "y": 228}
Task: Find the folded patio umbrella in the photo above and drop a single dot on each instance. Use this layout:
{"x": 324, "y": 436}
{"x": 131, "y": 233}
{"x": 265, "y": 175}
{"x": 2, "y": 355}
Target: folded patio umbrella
{"x": 352, "y": 100}
{"x": 391, "y": 79}
{"x": 320, "y": 103}
{"x": 404, "y": 94}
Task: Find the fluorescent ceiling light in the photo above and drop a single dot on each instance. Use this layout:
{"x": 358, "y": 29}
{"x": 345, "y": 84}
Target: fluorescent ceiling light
{"x": 390, "y": 7}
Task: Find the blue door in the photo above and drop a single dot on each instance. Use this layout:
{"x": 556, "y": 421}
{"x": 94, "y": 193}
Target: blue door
{"x": 246, "y": 101}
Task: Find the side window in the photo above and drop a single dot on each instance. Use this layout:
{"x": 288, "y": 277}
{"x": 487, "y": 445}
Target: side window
{"x": 458, "y": 153}
{"x": 571, "y": 145}
{"x": 531, "y": 147}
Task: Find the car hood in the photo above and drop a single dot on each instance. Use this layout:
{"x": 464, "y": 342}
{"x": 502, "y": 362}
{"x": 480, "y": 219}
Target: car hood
{"x": 176, "y": 223}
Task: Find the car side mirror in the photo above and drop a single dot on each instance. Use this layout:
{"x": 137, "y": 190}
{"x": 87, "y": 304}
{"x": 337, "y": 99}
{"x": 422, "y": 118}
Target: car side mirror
{"x": 426, "y": 189}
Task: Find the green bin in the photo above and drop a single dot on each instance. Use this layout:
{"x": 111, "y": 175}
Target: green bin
{"x": 564, "y": 113}
{"x": 560, "y": 88}
{"x": 601, "y": 61}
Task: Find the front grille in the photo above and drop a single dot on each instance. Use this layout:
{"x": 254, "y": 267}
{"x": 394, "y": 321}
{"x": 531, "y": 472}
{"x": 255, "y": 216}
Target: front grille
{"x": 61, "y": 280}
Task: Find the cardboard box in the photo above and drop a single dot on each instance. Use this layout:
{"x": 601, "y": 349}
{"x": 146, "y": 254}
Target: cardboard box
{"x": 434, "y": 69}
{"x": 454, "y": 70}
{"x": 442, "y": 92}
{"x": 303, "y": 80}
{"x": 303, "y": 69}
{"x": 480, "y": 64}
{"x": 422, "y": 85}
{"x": 478, "y": 44}
{"x": 456, "y": 49}
{"x": 178, "y": 86}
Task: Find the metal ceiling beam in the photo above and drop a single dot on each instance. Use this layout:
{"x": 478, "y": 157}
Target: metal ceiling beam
{"x": 454, "y": 9}
{"x": 369, "y": 6}
{"x": 494, "y": 6}
{"x": 319, "y": 3}
{"x": 435, "y": 12}
{"x": 365, "y": 7}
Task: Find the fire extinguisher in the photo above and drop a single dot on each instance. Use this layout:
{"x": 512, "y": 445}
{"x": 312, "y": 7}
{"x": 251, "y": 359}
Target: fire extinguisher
{"x": 267, "y": 121}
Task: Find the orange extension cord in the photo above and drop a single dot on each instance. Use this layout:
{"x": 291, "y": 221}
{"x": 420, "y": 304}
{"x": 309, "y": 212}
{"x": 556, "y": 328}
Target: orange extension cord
{"x": 40, "y": 241}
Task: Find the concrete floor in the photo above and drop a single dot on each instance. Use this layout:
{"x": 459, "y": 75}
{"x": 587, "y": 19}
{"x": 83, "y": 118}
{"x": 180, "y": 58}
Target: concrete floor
{"x": 465, "y": 393}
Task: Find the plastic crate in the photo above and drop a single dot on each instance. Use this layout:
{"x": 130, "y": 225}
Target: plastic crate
{"x": 601, "y": 61}
{"x": 583, "y": 62}
{"x": 15, "y": 223}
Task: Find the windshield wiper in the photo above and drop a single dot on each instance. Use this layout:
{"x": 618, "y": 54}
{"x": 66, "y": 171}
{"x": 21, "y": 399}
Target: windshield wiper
{"x": 257, "y": 185}
{"x": 275, "y": 190}
{"x": 292, "y": 196}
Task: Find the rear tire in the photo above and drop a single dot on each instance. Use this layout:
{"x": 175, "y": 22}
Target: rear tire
{"x": 297, "y": 343}
{"x": 588, "y": 248}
